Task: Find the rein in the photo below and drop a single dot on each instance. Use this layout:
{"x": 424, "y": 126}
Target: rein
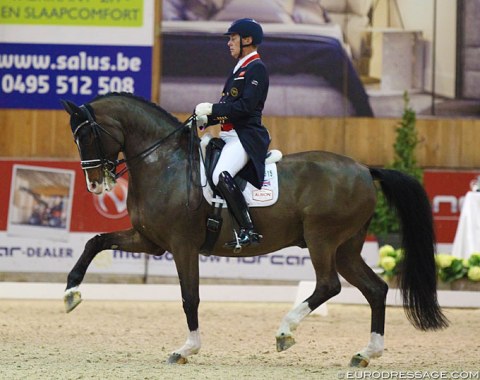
{"x": 145, "y": 153}
{"x": 193, "y": 143}
{"x": 111, "y": 166}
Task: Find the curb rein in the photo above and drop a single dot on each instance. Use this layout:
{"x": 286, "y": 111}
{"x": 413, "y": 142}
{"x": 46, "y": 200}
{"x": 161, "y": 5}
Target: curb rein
{"x": 109, "y": 166}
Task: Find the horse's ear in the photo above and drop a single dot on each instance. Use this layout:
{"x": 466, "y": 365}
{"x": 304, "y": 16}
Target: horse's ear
{"x": 70, "y": 107}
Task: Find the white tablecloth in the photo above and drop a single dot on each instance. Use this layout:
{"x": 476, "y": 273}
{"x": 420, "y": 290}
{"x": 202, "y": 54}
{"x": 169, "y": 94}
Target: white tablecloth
{"x": 467, "y": 237}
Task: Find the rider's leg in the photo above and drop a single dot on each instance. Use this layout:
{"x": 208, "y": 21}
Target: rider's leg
{"x": 237, "y": 204}
{"x": 233, "y": 157}
{"x": 231, "y": 161}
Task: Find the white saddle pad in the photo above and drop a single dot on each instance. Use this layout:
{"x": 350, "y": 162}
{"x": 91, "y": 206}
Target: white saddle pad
{"x": 266, "y": 196}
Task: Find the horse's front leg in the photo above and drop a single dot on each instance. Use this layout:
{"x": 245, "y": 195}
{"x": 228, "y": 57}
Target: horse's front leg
{"x": 188, "y": 274}
{"x": 128, "y": 240}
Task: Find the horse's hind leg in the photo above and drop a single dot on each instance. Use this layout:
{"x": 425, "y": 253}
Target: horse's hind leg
{"x": 352, "y": 267}
{"x": 322, "y": 254}
{"x": 129, "y": 240}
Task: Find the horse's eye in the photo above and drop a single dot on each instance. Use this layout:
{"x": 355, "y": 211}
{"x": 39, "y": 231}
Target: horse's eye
{"x": 86, "y": 138}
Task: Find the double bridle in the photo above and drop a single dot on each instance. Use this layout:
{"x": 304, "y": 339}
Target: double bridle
{"x": 109, "y": 167}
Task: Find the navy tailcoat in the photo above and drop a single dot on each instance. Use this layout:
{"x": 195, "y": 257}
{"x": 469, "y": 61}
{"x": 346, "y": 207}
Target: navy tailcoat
{"x": 241, "y": 105}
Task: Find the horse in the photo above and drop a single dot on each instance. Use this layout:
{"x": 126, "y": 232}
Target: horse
{"x": 326, "y": 202}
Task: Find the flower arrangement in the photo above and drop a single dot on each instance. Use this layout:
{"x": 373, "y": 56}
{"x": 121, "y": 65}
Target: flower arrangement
{"x": 449, "y": 268}
{"x": 390, "y": 261}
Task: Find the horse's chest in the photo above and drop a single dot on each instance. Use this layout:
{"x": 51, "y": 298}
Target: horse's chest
{"x": 142, "y": 216}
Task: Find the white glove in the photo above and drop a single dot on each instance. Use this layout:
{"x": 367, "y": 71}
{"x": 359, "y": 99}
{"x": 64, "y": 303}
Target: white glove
{"x": 203, "y": 109}
{"x": 202, "y": 122}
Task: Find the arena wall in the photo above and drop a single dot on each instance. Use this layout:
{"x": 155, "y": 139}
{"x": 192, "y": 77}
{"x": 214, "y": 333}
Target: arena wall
{"x": 444, "y": 143}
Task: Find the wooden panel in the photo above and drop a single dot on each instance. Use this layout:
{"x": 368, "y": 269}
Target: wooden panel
{"x": 64, "y": 144}
{"x": 370, "y": 140}
{"x": 36, "y": 134}
{"x": 43, "y": 143}
{"x": 444, "y": 143}
{"x": 470, "y": 147}
{"x": 19, "y": 132}
{"x": 6, "y": 134}
{"x": 295, "y": 134}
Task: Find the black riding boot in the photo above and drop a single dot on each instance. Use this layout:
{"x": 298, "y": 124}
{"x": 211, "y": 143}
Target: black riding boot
{"x": 239, "y": 208}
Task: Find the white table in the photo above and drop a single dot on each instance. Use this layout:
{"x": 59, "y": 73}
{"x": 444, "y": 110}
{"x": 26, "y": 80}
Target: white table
{"x": 467, "y": 237}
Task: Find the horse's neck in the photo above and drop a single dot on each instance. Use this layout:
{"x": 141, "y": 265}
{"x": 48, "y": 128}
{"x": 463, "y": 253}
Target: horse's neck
{"x": 144, "y": 127}
{"x": 155, "y": 148}
{"x": 150, "y": 140}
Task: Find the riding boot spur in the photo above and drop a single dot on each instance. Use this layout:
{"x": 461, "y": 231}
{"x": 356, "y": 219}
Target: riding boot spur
{"x": 239, "y": 208}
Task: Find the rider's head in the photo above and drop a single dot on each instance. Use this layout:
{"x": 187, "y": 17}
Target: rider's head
{"x": 244, "y": 33}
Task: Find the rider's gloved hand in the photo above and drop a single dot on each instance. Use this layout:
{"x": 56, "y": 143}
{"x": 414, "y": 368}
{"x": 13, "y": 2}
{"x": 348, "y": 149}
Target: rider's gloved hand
{"x": 203, "y": 109}
{"x": 202, "y": 122}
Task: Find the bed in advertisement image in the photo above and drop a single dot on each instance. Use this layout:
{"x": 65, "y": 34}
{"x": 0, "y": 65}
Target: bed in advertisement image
{"x": 310, "y": 50}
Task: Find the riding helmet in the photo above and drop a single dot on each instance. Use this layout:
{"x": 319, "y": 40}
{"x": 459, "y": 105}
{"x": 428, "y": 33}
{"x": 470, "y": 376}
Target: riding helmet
{"x": 247, "y": 27}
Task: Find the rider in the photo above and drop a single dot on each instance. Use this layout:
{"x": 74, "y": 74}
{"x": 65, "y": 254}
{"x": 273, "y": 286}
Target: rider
{"x": 239, "y": 113}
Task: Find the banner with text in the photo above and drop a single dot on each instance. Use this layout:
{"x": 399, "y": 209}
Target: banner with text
{"x": 75, "y": 50}
{"x": 49, "y": 217}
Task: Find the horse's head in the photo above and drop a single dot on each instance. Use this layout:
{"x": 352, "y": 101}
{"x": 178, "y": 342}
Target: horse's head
{"x": 98, "y": 143}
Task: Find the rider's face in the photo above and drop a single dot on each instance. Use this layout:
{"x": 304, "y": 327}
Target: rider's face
{"x": 234, "y": 45}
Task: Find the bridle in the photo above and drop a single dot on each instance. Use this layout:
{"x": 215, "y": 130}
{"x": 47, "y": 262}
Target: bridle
{"x": 109, "y": 167}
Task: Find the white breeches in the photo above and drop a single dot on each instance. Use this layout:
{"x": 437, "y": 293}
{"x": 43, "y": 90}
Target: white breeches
{"x": 233, "y": 157}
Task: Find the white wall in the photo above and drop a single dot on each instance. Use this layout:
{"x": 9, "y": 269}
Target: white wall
{"x": 418, "y": 15}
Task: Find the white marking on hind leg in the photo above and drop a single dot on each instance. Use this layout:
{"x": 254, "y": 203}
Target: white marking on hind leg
{"x": 291, "y": 321}
{"x": 191, "y": 346}
{"x": 374, "y": 349}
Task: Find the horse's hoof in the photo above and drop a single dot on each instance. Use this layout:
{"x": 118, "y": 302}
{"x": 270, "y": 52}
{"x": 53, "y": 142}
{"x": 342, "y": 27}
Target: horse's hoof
{"x": 285, "y": 342}
{"x": 177, "y": 359}
{"x": 72, "y": 299}
{"x": 359, "y": 360}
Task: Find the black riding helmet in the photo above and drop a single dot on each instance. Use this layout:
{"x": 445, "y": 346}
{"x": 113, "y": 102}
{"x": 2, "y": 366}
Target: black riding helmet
{"x": 246, "y": 27}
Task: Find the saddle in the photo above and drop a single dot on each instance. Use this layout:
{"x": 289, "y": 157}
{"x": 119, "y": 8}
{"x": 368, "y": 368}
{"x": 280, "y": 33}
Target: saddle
{"x": 211, "y": 148}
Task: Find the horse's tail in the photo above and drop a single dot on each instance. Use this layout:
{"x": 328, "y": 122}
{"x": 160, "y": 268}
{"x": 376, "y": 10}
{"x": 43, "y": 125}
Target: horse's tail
{"x": 418, "y": 282}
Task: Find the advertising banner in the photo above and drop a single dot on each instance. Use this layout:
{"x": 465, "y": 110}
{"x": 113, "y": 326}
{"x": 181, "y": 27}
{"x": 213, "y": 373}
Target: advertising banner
{"x": 75, "y": 50}
{"x": 447, "y": 190}
{"x": 49, "y": 216}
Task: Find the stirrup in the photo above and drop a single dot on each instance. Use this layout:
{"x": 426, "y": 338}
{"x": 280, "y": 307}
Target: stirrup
{"x": 245, "y": 238}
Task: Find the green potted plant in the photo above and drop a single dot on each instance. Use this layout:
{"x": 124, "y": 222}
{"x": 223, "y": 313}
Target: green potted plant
{"x": 385, "y": 225}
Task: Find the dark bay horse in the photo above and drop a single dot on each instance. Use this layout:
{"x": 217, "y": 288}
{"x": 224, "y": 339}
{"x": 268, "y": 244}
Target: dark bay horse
{"x": 326, "y": 202}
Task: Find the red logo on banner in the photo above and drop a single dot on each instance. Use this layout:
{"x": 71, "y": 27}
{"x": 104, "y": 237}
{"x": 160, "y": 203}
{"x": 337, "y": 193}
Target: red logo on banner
{"x": 113, "y": 204}
{"x": 447, "y": 190}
